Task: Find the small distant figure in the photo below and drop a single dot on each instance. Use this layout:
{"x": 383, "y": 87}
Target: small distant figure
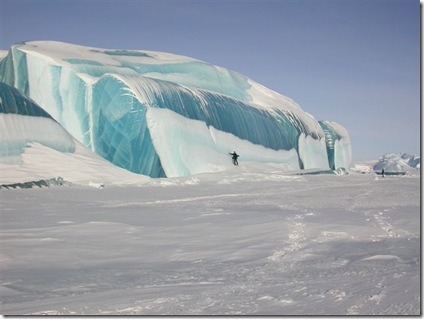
{"x": 235, "y": 156}
{"x": 382, "y": 172}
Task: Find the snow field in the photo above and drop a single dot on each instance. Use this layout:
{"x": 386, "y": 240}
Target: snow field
{"x": 250, "y": 240}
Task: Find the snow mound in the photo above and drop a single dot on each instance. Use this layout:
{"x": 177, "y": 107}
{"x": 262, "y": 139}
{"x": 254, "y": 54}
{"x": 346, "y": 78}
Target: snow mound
{"x": 363, "y": 167}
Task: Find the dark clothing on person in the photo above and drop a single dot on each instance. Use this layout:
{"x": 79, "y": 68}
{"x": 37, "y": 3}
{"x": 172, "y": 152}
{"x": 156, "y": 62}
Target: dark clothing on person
{"x": 235, "y": 156}
{"x": 382, "y": 172}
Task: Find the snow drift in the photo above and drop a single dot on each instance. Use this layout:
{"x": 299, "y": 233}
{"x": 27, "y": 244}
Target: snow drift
{"x": 160, "y": 114}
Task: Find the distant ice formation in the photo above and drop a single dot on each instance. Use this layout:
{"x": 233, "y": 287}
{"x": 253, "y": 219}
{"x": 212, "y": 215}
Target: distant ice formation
{"x": 397, "y": 162}
{"x": 163, "y": 115}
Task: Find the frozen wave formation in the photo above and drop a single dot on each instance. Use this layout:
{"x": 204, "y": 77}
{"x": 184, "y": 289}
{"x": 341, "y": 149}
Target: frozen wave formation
{"x": 165, "y": 115}
{"x": 35, "y": 150}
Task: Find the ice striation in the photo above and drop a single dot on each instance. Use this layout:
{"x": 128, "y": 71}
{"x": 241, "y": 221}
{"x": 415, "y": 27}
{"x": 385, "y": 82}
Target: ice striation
{"x": 22, "y": 121}
{"x": 36, "y": 151}
{"x": 161, "y": 114}
{"x": 337, "y": 140}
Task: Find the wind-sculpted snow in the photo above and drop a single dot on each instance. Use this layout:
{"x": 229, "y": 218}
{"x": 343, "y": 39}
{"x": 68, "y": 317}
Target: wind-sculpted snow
{"x": 110, "y": 99}
{"x": 250, "y": 241}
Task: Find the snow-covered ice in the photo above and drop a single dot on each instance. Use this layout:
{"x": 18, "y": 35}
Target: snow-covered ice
{"x": 251, "y": 240}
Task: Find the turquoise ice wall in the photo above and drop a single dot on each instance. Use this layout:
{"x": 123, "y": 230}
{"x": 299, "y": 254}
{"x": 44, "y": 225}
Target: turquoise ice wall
{"x": 331, "y": 136}
{"x": 13, "y": 102}
{"x": 101, "y": 97}
{"x": 119, "y": 131}
{"x": 23, "y": 122}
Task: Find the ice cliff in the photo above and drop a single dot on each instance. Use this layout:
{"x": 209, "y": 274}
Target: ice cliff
{"x": 161, "y": 114}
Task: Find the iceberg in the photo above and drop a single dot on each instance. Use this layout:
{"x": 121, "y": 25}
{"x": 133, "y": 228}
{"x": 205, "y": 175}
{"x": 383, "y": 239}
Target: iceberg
{"x": 165, "y": 115}
{"x": 397, "y": 162}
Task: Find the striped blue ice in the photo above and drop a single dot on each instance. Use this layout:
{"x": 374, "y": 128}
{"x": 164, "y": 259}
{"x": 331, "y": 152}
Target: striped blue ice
{"x": 161, "y": 114}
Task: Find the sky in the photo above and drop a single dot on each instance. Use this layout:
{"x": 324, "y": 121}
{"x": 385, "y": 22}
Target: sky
{"x": 354, "y": 62}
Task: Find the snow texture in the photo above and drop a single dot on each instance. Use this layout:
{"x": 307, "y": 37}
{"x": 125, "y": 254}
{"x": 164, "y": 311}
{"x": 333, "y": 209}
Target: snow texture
{"x": 252, "y": 240}
{"x": 112, "y": 101}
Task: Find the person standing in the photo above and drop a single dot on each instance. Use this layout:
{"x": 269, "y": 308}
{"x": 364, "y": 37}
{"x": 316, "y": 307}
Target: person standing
{"x": 235, "y": 156}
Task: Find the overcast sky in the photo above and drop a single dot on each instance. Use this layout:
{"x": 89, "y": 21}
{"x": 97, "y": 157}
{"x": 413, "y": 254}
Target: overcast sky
{"x": 355, "y": 62}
